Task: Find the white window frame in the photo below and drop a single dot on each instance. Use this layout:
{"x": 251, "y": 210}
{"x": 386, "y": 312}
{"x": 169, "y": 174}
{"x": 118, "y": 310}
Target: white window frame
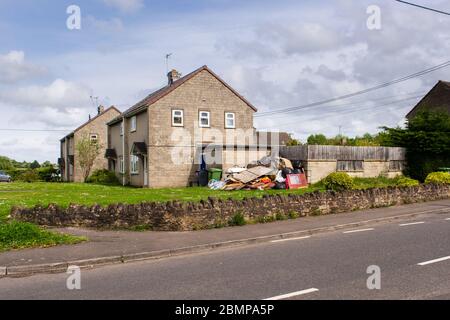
{"x": 175, "y": 116}
{"x": 133, "y": 124}
{"x": 233, "y": 118}
{"x": 134, "y": 164}
{"x": 121, "y": 165}
{"x": 200, "y": 117}
{"x": 93, "y": 137}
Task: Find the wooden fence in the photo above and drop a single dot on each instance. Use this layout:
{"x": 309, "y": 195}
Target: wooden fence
{"x": 319, "y": 152}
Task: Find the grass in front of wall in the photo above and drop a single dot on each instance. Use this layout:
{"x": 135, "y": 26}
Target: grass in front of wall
{"x": 19, "y": 235}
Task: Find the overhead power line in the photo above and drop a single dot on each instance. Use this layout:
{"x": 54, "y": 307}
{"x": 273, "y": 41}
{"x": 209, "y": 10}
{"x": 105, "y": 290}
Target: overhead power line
{"x": 423, "y": 7}
{"x": 342, "y": 111}
{"x": 341, "y": 106}
{"x": 380, "y": 86}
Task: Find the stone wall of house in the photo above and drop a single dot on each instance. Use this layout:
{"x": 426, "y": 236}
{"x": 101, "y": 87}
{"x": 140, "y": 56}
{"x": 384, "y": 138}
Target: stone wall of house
{"x": 183, "y": 216}
{"x": 201, "y": 93}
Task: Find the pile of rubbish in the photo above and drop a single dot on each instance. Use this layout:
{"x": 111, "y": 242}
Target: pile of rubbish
{"x": 264, "y": 174}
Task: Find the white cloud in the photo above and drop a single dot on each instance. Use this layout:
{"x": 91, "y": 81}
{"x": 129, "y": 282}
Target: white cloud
{"x": 126, "y": 6}
{"x": 60, "y": 94}
{"x": 14, "y": 67}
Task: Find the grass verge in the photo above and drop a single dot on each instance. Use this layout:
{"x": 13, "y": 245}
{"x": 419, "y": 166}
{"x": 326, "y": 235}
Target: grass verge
{"x": 19, "y": 235}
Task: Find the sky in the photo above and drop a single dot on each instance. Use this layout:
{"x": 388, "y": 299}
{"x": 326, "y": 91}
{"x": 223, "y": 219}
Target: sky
{"x": 278, "y": 54}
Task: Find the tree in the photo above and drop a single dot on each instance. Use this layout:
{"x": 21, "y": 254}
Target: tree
{"x": 47, "y": 164}
{"x": 318, "y": 139}
{"x": 87, "y": 152}
{"x": 427, "y": 142}
{"x": 35, "y": 165}
{"x": 292, "y": 141}
{"x": 5, "y": 163}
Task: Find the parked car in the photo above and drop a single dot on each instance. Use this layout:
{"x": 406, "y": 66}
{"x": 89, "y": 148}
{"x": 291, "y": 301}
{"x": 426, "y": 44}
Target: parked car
{"x": 4, "y": 177}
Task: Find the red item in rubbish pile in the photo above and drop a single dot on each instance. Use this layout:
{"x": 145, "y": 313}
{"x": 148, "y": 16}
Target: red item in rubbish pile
{"x": 265, "y": 180}
{"x": 296, "y": 181}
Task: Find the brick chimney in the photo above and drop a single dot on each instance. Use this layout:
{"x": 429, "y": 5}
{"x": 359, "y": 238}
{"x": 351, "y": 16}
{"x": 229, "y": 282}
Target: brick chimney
{"x": 101, "y": 109}
{"x": 173, "y": 76}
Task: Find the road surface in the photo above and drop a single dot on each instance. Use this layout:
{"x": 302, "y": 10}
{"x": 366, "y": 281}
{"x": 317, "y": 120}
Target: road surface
{"x": 413, "y": 257}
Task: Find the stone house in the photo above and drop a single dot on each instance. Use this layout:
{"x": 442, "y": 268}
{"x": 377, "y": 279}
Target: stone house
{"x": 96, "y": 130}
{"x": 163, "y": 140}
{"x": 437, "y": 99}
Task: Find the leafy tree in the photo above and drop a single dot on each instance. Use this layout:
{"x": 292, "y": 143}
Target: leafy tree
{"x": 46, "y": 164}
{"x": 88, "y": 151}
{"x": 5, "y": 163}
{"x": 427, "y": 142}
{"x": 35, "y": 165}
{"x": 292, "y": 141}
{"x": 318, "y": 139}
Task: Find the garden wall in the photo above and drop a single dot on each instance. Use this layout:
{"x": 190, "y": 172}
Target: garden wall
{"x": 183, "y": 216}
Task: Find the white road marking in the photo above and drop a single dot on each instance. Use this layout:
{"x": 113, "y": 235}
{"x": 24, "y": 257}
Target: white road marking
{"x": 410, "y": 224}
{"x": 434, "y": 261}
{"x": 293, "y": 294}
{"x": 448, "y": 219}
{"x": 359, "y": 230}
{"x": 291, "y": 239}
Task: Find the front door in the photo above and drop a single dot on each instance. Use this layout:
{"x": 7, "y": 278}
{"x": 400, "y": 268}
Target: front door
{"x": 145, "y": 171}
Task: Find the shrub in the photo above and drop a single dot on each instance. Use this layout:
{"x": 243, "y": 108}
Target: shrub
{"x": 293, "y": 215}
{"x": 281, "y": 216}
{"x": 438, "y": 178}
{"x": 237, "y": 220}
{"x": 338, "y": 181}
{"x": 406, "y": 182}
{"x": 29, "y": 176}
{"x": 47, "y": 174}
{"x": 104, "y": 177}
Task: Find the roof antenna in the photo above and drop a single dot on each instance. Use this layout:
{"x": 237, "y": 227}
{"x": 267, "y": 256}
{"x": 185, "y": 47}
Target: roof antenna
{"x": 94, "y": 101}
{"x": 167, "y": 62}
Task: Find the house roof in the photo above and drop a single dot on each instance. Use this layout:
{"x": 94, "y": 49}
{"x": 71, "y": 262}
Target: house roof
{"x": 158, "y": 94}
{"x": 92, "y": 119}
{"x": 446, "y": 84}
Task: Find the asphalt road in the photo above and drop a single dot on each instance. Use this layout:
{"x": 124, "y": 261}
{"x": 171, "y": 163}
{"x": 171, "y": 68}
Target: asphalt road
{"x": 414, "y": 260}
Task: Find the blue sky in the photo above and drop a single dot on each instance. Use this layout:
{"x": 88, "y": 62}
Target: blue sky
{"x": 278, "y": 54}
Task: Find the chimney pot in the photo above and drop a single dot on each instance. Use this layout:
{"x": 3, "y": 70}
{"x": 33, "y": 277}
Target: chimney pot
{"x": 101, "y": 109}
{"x": 173, "y": 76}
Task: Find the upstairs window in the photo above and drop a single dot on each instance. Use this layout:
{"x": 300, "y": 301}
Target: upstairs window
{"x": 133, "y": 124}
{"x": 204, "y": 119}
{"x": 177, "y": 118}
{"x": 230, "y": 120}
{"x": 93, "y": 137}
{"x": 121, "y": 128}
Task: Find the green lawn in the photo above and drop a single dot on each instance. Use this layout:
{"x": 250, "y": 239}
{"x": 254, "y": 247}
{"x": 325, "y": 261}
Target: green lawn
{"x": 30, "y": 194}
